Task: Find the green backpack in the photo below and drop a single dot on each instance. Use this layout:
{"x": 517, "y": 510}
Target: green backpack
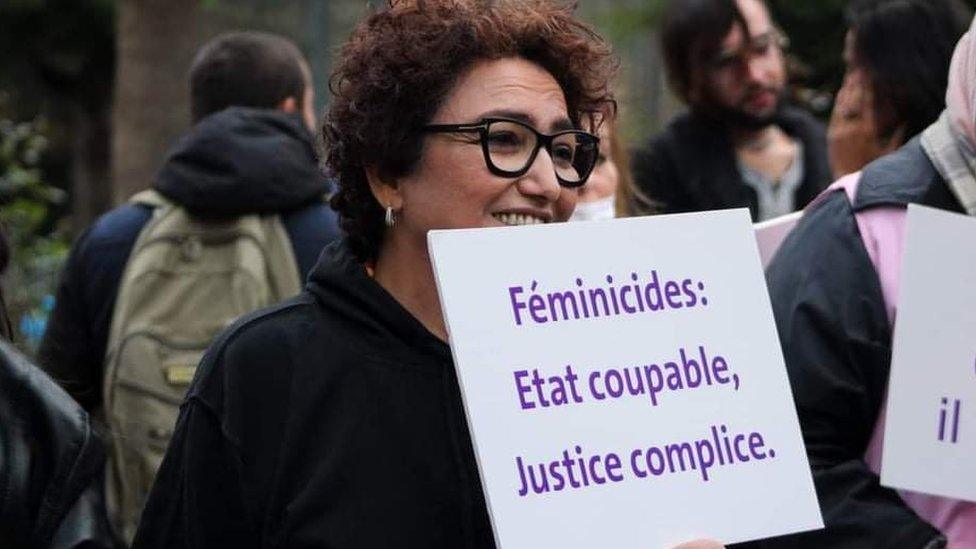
{"x": 186, "y": 279}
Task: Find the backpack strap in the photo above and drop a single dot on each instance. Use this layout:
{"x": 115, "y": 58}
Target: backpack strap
{"x": 286, "y": 281}
{"x": 151, "y": 198}
{"x": 882, "y": 231}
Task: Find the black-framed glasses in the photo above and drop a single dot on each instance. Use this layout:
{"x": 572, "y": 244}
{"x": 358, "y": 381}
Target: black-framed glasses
{"x": 510, "y": 147}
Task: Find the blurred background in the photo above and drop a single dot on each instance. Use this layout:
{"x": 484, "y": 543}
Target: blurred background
{"x": 93, "y": 93}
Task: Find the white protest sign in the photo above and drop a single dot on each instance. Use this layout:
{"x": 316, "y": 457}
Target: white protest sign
{"x": 771, "y": 234}
{"x": 624, "y": 383}
{"x": 930, "y": 427}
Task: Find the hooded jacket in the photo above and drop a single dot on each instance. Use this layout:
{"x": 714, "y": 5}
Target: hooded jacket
{"x": 235, "y": 162}
{"x": 834, "y": 311}
{"x": 50, "y": 463}
{"x": 834, "y": 286}
{"x": 691, "y": 165}
{"x": 333, "y": 420}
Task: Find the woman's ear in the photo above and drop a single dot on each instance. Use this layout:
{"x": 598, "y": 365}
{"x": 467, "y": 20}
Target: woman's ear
{"x": 385, "y": 191}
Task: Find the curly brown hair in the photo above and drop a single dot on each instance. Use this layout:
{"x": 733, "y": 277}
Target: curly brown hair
{"x": 403, "y": 60}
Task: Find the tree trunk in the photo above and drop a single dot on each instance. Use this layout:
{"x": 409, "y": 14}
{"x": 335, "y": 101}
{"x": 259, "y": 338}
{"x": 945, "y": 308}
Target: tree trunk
{"x": 91, "y": 191}
{"x": 156, "y": 42}
{"x": 155, "y": 45}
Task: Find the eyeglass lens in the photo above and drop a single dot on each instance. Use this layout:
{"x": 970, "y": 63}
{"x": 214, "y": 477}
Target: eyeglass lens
{"x": 511, "y": 146}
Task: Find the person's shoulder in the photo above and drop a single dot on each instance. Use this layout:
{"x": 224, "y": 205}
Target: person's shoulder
{"x": 681, "y": 127}
{"x": 667, "y": 143}
{"x": 686, "y": 139}
{"x": 897, "y": 179}
{"x": 118, "y": 226}
{"x": 285, "y": 323}
{"x": 102, "y": 250}
{"x": 270, "y": 338}
{"x": 825, "y": 248}
{"x": 36, "y": 388}
{"x": 310, "y": 229}
{"x": 316, "y": 220}
{"x": 830, "y": 216}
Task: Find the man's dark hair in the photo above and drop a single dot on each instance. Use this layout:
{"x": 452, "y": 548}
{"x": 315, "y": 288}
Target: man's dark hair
{"x": 905, "y": 47}
{"x": 246, "y": 69}
{"x": 691, "y": 36}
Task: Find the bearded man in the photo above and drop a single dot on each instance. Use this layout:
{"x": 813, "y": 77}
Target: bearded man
{"x": 739, "y": 144}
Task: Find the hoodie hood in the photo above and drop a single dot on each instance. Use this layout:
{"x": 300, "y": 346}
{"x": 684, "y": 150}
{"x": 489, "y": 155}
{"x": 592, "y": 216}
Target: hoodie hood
{"x": 340, "y": 283}
{"x": 243, "y": 161}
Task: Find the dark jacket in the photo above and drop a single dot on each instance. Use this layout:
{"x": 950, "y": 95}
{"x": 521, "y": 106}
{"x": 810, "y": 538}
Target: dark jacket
{"x": 333, "y": 420}
{"x": 836, "y": 337}
{"x": 691, "y": 165}
{"x": 235, "y": 162}
{"x": 50, "y": 463}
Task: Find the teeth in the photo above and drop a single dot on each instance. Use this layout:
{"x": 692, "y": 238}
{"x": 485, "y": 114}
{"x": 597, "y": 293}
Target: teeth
{"x": 515, "y": 219}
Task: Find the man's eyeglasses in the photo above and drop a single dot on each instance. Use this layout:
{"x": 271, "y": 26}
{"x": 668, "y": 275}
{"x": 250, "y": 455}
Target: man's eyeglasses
{"x": 510, "y": 147}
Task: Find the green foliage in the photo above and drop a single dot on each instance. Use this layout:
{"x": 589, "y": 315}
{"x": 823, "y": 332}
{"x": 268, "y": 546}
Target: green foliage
{"x": 53, "y": 50}
{"x": 26, "y": 206}
{"x": 57, "y": 61}
{"x": 624, "y": 22}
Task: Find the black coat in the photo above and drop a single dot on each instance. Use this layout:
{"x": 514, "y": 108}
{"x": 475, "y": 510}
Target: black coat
{"x": 333, "y": 420}
{"x": 691, "y": 165}
{"x": 836, "y": 337}
{"x": 50, "y": 463}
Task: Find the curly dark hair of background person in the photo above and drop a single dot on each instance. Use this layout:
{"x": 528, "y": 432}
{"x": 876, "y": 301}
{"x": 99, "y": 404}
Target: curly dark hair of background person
{"x": 906, "y": 46}
{"x": 402, "y": 60}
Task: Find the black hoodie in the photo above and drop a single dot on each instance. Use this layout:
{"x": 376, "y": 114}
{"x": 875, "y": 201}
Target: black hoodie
{"x": 240, "y": 161}
{"x": 691, "y": 165}
{"x": 237, "y": 161}
{"x": 333, "y": 420}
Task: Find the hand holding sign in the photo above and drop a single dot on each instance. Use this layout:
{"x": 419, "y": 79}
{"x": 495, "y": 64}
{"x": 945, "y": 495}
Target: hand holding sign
{"x": 640, "y": 384}
{"x": 701, "y": 544}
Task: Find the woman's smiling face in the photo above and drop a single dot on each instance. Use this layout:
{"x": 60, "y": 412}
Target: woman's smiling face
{"x": 452, "y": 187}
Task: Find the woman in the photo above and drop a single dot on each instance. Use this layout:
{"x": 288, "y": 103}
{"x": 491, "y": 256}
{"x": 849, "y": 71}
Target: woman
{"x": 335, "y": 420}
{"x": 897, "y": 55}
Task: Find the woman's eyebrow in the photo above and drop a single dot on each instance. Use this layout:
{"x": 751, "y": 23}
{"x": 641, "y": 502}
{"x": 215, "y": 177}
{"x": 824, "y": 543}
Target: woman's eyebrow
{"x": 559, "y": 125}
{"x": 512, "y": 114}
{"x": 563, "y": 124}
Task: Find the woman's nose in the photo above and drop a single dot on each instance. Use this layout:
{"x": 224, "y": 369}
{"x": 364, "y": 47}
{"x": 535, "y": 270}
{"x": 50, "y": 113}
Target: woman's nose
{"x": 541, "y": 180}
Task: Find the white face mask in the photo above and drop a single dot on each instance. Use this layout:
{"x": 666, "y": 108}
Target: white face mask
{"x": 597, "y": 210}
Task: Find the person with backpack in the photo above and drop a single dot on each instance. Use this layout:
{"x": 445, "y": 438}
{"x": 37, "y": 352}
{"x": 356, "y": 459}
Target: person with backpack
{"x": 834, "y": 286}
{"x": 234, "y": 220}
